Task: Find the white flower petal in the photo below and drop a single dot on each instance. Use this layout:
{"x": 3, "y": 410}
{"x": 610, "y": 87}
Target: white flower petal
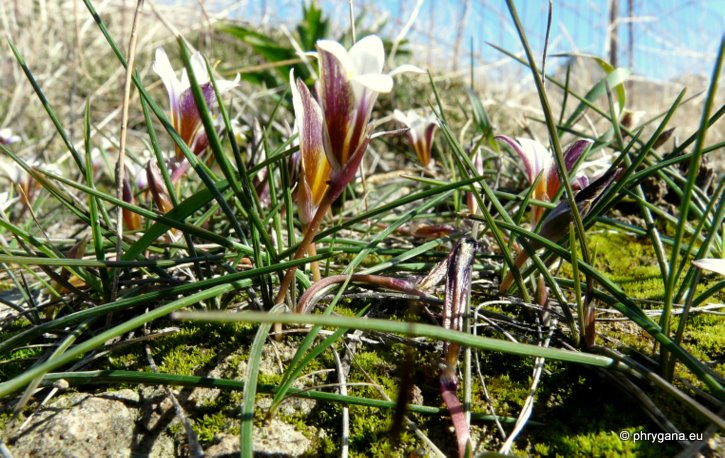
{"x": 199, "y": 68}
{"x": 163, "y": 68}
{"x": 368, "y": 55}
{"x": 375, "y": 82}
{"x": 407, "y": 68}
{"x": 340, "y": 53}
{"x": 7, "y": 137}
{"x": 538, "y": 155}
{"x": 227, "y": 85}
{"x": 5, "y": 201}
{"x": 401, "y": 117}
{"x": 711, "y": 264}
{"x": 296, "y": 101}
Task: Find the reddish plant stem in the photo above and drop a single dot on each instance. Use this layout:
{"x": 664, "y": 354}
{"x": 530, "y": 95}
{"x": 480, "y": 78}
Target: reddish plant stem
{"x": 449, "y": 386}
{"x": 310, "y": 233}
{"x": 314, "y": 265}
{"x": 395, "y": 284}
{"x": 506, "y": 282}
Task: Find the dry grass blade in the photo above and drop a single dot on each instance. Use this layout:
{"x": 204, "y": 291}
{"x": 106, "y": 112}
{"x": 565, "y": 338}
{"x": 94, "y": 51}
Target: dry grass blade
{"x": 121, "y": 162}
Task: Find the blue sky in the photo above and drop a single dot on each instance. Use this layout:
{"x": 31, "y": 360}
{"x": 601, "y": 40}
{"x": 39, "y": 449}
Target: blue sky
{"x": 670, "y": 37}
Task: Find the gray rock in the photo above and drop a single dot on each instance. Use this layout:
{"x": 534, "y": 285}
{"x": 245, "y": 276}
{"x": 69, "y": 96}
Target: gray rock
{"x": 224, "y": 445}
{"x": 280, "y": 439}
{"x": 276, "y": 439}
{"x": 80, "y": 425}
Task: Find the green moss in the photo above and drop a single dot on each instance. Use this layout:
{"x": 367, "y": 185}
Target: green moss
{"x": 210, "y": 425}
{"x": 590, "y": 444}
{"x": 5, "y": 418}
{"x": 127, "y": 361}
{"x": 584, "y": 414}
{"x": 369, "y": 427}
{"x": 185, "y": 359}
{"x": 270, "y": 379}
{"x": 705, "y": 337}
{"x": 628, "y": 261}
{"x": 15, "y": 362}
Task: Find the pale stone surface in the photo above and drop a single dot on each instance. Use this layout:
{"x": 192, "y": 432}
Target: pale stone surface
{"x": 279, "y": 438}
{"x": 81, "y": 425}
{"x": 224, "y": 445}
{"x": 130, "y": 423}
{"x": 274, "y": 439}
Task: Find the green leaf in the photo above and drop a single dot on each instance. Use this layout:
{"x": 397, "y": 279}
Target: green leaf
{"x": 404, "y": 328}
{"x": 608, "y": 69}
{"x": 614, "y": 79}
{"x": 480, "y": 115}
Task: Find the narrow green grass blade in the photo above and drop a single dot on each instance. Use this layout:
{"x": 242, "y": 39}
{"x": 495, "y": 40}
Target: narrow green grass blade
{"x": 95, "y": 221}
{"x": 238, "y": 279}
{"x": 705, "y": 249}
{"x": 48, "y": 109}
{"x": 62, "y": 347}
{"x": 180, "y": 213}
{"x": 469, "y": 169}
{"x": 300, "y": 363}
{"x": 214, "y": 142}
{"x": 404, "y": 256}
{"x": 53, "y": 255}
{"x": 301, "y": 359}
{"x": 481, "y": 117}
{"x": 694, "y": 169}
{"x": 385, "y": 208}
{"x": 565, "y": 97}
{"x": 246, "y": 433}
{"x": 169, "y": 219}
{"x": 709, "y": 292}
{"x": 407, "y": 329}
{"x": 161, "y": 162}
{"x": 624, "y": 304}
{"x": 100, "y": 339}
{"x": 73, "y": 262}
{"x": 246, "y": 193}
{"x": 205, "y": 176}
{"x": 609, "y": 197}
{"x": 156, "y": 378}
{"x": 615, "y": 78}
{"x": 577, "y": 287}
{"x": 67, "y": 201}
{"x": 553, "y": 135}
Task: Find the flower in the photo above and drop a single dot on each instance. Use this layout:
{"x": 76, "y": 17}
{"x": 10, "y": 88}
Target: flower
{"x": 131, "y": 220}
{"x": 456, "y": 268}
{"x": 157, "y": 187}
{"x": 477, "y": 161}
{"x": 335, "y": 123}
{"x": 333, "y": 129}
{"x": 313, "y": 163}
{"x": 420, "y": 132}
{"x": 349, "y": 84}
{"x": 7, "y": 137}
{"x": 711, "y": 264}
{"x": 555, "y": 225}
{"x": 23, "y": 182}
{"x": 184, "y": 114}
{"x": 539, "y": 161}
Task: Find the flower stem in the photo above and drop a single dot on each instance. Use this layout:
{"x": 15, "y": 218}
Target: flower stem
{"x": 314, "y": 265}
{"x": 506, "y": 282}
{"x": 303, "y": 247}
{"x": 394, "y": 284}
